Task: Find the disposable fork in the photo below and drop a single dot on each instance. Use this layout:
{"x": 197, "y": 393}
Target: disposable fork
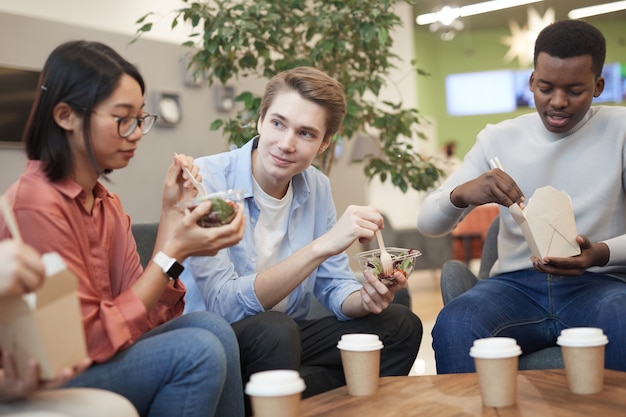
{"x": 385, "y": 257}
{"x": 199, "y": 186}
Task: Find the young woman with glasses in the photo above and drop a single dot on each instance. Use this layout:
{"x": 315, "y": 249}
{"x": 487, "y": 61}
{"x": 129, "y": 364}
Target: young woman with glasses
{"x": 87, "y": 120}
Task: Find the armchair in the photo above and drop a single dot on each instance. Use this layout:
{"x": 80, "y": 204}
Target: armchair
{"x": 457, "y": 278}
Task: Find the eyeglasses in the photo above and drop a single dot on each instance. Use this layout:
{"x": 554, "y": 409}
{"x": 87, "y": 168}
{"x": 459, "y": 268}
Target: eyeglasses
{"x": 127, "y": 125}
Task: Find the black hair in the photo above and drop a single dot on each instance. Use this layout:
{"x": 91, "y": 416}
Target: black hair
{"x": 572, "y": 38}
{"x": 80, "y": 74}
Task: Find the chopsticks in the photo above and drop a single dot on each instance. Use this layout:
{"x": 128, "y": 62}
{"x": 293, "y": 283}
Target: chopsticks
{"x": 495, "y": 163}
{"x": 7, "y": 213}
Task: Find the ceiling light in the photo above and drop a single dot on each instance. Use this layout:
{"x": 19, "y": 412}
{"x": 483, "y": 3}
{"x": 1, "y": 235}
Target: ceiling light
{"x": 595, "y": 10}
{"x": 447, "y": 25}
{"x": 473, "y": 9}
{"x": 447, "y": 15}
{"x": 447, "y": 32}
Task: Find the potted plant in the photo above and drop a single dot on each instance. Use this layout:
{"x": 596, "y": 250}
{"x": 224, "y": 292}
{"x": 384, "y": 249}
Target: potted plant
{"x": 348, "y": 39}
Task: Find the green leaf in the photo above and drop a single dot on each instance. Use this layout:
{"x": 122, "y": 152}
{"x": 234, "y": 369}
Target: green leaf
{"x": 143, "y": 18}
{"x": 349, "y": 39}
{"x": 216, "y": 124}
{"x": 145, "y": 28}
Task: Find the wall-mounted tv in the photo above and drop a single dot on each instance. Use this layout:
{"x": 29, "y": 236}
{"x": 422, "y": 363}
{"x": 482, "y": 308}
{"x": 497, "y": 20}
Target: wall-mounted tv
{"x": 17, "y": 92}
{"x": 480, "y": 93}
{"x": 504, "y": 91}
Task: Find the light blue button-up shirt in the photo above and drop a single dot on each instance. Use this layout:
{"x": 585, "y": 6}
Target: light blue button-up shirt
{"x": 224, "y": 283}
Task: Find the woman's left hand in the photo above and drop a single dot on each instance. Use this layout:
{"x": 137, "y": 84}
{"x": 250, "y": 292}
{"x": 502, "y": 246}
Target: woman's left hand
{"x": 14, "y": 387}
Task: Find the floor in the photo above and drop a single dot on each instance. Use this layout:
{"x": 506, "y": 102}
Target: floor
{"x": 426, "y": 302}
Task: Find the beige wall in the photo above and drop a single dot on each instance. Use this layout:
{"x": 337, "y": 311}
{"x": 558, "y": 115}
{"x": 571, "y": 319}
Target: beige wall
{"x": 139, "y": 185}
{"x": 28, "y": 39}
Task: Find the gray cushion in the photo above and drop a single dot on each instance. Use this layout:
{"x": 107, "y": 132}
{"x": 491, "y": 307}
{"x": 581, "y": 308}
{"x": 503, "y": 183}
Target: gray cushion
{"x": 145, "y": 237}
{"x": 548, "y": 358}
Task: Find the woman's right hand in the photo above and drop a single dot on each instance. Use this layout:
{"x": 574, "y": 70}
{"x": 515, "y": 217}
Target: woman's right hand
{"x": 186, "y": 238}
{"x": 205, "y": 241}
{"x": 182, "y": 237}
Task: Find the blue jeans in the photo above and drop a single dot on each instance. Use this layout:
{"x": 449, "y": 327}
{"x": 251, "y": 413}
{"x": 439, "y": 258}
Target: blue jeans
{"x": 188, "y": 366}
{"x": 533, "y": 308}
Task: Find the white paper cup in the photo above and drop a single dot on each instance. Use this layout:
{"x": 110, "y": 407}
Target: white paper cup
{"x": 496, "y": 360}
{"x": 583, "y": 355}
{"x": 275, "y": 393}
{"x": 360, "y": 357}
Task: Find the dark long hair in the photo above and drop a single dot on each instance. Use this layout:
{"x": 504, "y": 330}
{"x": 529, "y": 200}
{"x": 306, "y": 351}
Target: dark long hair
{"x": 80, "y": 74}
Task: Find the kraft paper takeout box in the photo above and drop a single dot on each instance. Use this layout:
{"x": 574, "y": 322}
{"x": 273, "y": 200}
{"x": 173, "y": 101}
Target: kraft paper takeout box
{"x": 45, "y": 325}
{"x": 548, "y": 223}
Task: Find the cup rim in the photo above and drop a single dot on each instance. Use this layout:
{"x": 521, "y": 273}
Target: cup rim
{"x": 495, "y": 348}
{"x": 360, "y": 342}
{"x": 582, "y": 337}
{"x": 233, "y": 194}
{"x": 277, "y": 382}
{"x": 368, "y": 253}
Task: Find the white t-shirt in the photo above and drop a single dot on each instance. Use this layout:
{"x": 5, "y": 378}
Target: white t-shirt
{"x": 270, "y": 239}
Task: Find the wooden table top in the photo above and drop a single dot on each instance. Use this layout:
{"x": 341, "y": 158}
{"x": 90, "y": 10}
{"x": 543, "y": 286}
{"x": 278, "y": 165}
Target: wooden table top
{"x": 539, "y": 393}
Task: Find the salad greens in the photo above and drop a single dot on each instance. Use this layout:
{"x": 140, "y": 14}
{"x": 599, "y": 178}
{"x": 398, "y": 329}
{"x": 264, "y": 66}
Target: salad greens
{"x": 402, "y": 262}
{"x": 222, "y": 212}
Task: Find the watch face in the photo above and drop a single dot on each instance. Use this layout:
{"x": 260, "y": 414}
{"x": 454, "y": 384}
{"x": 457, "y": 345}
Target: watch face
{"x": 175, "y": 270}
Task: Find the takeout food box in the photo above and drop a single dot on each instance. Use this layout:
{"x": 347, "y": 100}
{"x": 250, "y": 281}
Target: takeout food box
{"x": 548, "y": 223}
{"x": 45, "y": 325}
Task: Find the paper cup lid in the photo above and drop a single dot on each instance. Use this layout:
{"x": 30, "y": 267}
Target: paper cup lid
{"x": 360, "y": 342}
{"x": 495, "y": 348}
{"x": 582, "y": 337}
{"x": 275, "y": 383}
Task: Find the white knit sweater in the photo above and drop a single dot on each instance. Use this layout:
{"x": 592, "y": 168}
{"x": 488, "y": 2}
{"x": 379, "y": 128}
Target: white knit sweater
{"x": 588, "y": 163}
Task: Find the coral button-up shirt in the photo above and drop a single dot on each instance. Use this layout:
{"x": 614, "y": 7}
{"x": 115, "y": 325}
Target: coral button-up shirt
{"x": 99, "y": 248}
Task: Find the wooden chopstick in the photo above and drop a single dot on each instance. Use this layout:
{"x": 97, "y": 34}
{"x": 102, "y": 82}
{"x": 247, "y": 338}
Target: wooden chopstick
{"x": 7, "y": 213}
{"x": 495, "y": 163}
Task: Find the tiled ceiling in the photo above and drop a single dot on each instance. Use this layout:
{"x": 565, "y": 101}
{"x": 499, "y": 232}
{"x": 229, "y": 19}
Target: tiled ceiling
{"x": 500, "y": 19}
